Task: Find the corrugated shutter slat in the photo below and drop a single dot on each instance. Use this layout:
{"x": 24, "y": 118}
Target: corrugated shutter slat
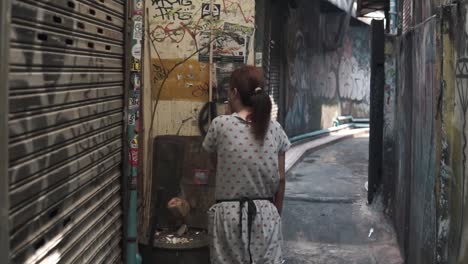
{"x": 66, "y": 131}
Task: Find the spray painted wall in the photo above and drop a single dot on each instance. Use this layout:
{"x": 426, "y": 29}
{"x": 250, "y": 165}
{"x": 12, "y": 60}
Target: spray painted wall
{"x": 177, "y": 69}
{"x": 178, "y": 61}
{"x": 417, "y": 141}
{"x": 324, "y": 82}
{"x": 454, "y": 182}
{"x": 431, "y": 205}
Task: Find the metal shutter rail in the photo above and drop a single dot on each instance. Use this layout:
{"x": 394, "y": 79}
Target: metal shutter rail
{"x": 272, "y": 56}
{"x": 66, "y": 130}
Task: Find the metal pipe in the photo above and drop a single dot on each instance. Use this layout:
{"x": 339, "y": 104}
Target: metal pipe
{"x": 360, "y": 120}
{"x": 350, "y": 119}
{"x": 135, "y": 38}
{"x": 5, "y": 13}
{"x": 355, "y": 123}
{"x": 211, "y": 58}
{"x": 319, "y": 133}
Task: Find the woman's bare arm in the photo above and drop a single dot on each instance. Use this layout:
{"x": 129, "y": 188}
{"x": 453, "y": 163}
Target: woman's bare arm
{"x": 279, "y": 197}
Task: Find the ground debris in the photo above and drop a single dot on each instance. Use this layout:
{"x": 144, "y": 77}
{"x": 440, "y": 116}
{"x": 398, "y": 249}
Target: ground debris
{"x": 184, "y": 235}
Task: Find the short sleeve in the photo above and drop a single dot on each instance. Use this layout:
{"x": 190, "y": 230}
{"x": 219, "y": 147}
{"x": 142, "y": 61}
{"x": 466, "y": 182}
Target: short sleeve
{"x": 283, "y": 140}
{"x": 210, "y": 143}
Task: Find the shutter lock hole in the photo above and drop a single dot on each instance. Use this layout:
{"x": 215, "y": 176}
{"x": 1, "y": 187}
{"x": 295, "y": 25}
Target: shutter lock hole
{"x": 57, "y": 19}
{"x": 71, "y": 4}
{"x": 39, "y": 244}
{"x": 66, "y": 221}
{"x": 53, "y": 213}
{"x": 42, "y": 36}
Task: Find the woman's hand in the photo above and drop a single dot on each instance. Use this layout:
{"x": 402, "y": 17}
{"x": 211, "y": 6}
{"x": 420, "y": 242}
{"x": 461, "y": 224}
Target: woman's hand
{"x": 279, "y": 197}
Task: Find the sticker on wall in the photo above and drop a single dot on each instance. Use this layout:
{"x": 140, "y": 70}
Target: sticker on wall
{"x": 134, "y": 151}
{"x": 206, "y": 10}
{"x": 200, "y": 177}
{"x": 137, "y": 18}
{"x": 258, "y": 59}
{"x": 230, "y": 47}
{"x": 131, "y": 119}
{"x": 136, "y": 81}
{"x": 133, "y": 103}
{"x": 136, "y": 65}
{"x": 136, "y": 50}
{"x": 138, "y": 30}
{"x": 138, "y": 5}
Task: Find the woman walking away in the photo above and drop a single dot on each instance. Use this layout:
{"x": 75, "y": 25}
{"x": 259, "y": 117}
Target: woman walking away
{"x": 245, "y": 223}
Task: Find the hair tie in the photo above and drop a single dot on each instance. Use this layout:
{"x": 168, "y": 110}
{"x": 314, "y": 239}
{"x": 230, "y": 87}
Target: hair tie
{"x": 258, "y": 90}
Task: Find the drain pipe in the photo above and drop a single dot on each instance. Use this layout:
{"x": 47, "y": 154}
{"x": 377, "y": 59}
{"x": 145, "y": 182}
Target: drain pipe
{"x": 210, "y": 89}
{"x": 339, "y": 123}
{"x": 132, "y": 124}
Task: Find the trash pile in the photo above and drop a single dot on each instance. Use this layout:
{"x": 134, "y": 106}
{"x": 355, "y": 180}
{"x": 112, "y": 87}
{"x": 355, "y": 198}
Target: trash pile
{"x": 182, "y": 236}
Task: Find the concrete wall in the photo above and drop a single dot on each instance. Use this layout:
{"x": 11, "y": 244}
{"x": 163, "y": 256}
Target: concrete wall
{"x": 389, "y": 131}
{"x": 418, "y": 130}
{"x": 429, "y": 201}
{"x": 323, "y": 80}
{"x": 454, "y": 183}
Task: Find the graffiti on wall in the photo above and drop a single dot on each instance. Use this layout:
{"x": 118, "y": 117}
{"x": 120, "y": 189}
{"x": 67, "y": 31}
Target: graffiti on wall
{"x": 173, "y": 10}
{"x": 461, "y": 84}
{"x": 189, "y": 81}
{"x": 182, "y": 33}
{"x": 339, "y": 78}
{"x": 390, "y": 89}
{"x": 456, "y": 136}
{"x": 186, "y": 22}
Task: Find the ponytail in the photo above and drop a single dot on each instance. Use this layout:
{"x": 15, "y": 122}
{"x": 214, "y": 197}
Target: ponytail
{"x": 261, "y": 113}
{"x": 248, "y": 81}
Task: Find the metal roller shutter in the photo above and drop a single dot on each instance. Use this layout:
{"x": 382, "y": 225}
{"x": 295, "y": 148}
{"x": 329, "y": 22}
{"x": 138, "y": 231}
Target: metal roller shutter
{"x": 272, "y": 55}
{"x": 66, "y": 131}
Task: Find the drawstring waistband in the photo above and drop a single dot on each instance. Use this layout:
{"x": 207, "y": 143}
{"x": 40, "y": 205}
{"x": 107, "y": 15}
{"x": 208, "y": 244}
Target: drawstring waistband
{"x": 251, "y": 213}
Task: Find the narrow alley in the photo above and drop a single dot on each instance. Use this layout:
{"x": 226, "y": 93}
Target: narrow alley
{"x": 151, "y": 131}
{"x": 326, "y": 218}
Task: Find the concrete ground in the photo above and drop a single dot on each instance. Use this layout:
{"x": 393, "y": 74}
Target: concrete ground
{"x": 326, "y": 219}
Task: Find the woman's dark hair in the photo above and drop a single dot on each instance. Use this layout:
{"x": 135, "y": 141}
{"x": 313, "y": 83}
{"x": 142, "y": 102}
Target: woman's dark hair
{"x": 249, "y": 83}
